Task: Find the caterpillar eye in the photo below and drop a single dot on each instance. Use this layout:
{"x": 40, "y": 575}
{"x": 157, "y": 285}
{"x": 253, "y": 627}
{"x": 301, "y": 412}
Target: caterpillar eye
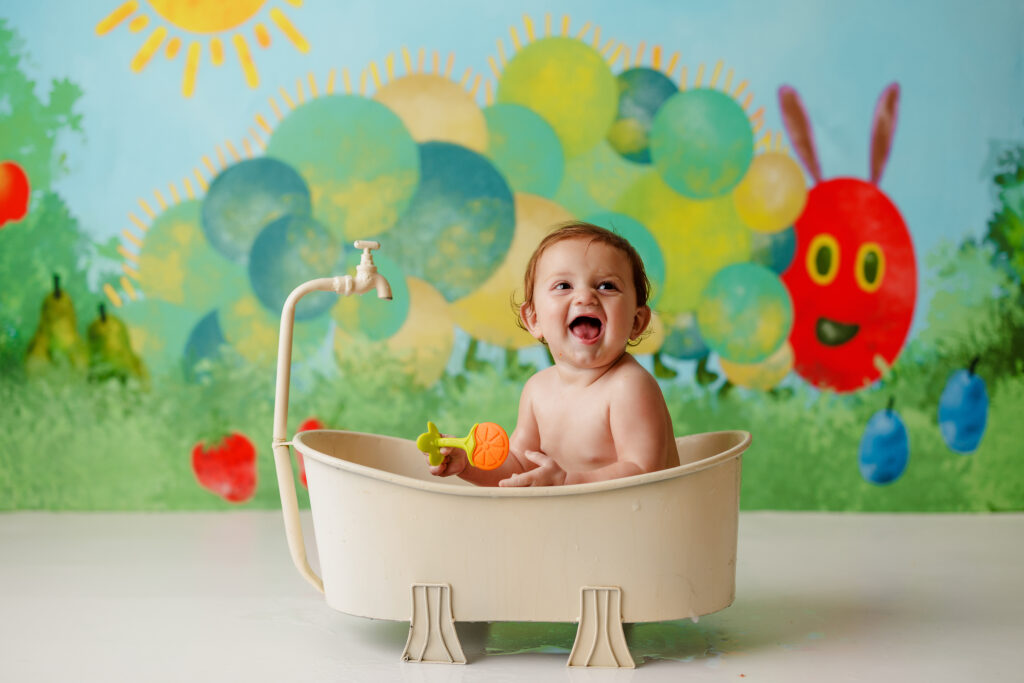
{"x": 823, "y": 259}
{"x": 870, "y": 267}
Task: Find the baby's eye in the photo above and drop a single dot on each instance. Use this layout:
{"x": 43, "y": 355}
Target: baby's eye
{"x": 562, "y": 285}
{"x": 607, "y": 285}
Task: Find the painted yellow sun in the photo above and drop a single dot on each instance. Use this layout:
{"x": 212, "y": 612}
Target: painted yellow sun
{"x": 202, "y": 23}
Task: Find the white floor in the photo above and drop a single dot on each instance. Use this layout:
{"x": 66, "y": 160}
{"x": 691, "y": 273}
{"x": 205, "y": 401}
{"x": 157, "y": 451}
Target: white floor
{"x": 214, "y": 597}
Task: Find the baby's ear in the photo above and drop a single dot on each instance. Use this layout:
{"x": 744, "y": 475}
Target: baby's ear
{"x": 640, "y": 321}
{"x": 529, "y": 318}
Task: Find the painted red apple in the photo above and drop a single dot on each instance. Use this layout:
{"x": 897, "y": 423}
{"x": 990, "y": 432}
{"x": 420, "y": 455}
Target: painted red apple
{"x": 227, "y": 468}
{"x": 311, "y": 423}
{"x": 14, "y": 191}
{"x": 853, "y": 279}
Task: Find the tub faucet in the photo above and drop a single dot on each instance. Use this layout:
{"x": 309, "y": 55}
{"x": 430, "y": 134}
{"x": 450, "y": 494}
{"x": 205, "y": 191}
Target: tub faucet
{"x": 366, "y": 278}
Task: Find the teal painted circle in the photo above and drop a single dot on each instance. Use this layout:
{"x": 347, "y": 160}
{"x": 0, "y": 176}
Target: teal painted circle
{"x": 459, "y": 224}
{"x": 288, "y": 252}
{"x": 525, "y": 149}
{"x": 745, "y": 313}
{"x": 774, "y": 250}
{"x": 358, "y": 158}
{"x": 683, "y": 340}
{"x": 644, "y": 243}
{"x": 204, "y": 344}
{"x": 247, "y": 196}
{"x": 701, "y": 143}
{"x": 642, "y": 91}
{"x": 374, "y": 317}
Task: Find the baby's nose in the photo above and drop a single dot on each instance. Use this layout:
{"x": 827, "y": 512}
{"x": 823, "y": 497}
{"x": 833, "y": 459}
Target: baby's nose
{"x": 585, "y": 295}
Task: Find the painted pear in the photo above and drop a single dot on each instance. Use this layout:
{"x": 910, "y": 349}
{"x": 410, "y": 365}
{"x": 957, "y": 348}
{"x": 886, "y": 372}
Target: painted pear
{"x": 56, "y": 342}
{"x": 110, "y": 350}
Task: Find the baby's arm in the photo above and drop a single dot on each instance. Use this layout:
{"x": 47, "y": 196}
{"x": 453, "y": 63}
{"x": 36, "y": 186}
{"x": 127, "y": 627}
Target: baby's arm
{"x": 641, "y": 429}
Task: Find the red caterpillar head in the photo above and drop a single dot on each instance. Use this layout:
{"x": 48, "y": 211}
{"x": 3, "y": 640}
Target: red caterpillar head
{"x": 853, "y": 279}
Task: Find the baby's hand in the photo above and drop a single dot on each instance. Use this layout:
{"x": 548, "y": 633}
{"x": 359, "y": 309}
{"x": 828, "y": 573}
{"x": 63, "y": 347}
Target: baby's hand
{"x": 547, "y": 472}
{"x": 454, "y": 461}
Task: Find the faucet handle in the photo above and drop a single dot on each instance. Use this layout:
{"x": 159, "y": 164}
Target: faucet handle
{"x": 366, "y": 245}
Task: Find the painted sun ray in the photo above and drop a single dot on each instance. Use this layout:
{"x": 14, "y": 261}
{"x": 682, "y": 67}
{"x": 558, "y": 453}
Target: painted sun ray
{"x": 126, "y": 285}
{"x": 131, "y": 272}
{"x": 209, "y": 166}
{"x": 148, "y": 49}
{"x": 476, "y": 86}
{"x": 172, "y": 48}
{"x": 597, "y": 37}
{"x": 220, "y": 157}
{"x": 700, "y": 76}
{"x": 672, "y": 63}
{"x": 420, "y": 56}
{"x": 138, "y": 222}
{"x": 656, "y": 57}
{"x": 748, "y": 100}
{"x": 286, "y": 97}
{"x": 146, "y": 208}
{"x": 740, "y": 88}
{"x": 682, "y": 77}
{"x": 494, "y": 67}
{"x": 728, "y": 80}
{"x": 375, "y": 74}
{"x": 583, "y": 31}
{"x": 188, "y": 83}
{"x": 625, "y": 56}
{"x": 449, "y": 65}
{"x": 232, "y": 151}
{"x": 407, "y": 59}
{"x": 716, "y": 73}
{"x": 389, "y": 67}
{"x": 300, "y": 93}
{"x": 216, "y": 51}
{"x": 347, "y": 80}
{"x": 758, "y": 115}
{"x": 252, "y": 77}
{"x": 132, "y": 237}
{"x": 174, "y": 193}
{"x": 607, "y": 47}
{"x": 313, "y": 92}
{"x": 289, "y": 30}
{"x": 764, "y": 141}
{"x": 248, "y": 148}
{"x": 127, "y": 254}
{"x": 262, "y": 123}
{"x": 565, "y": 24}
{"x": 331, "y": 75}
{"x": 160, "y": 200}
{"x": 515, "y": 38}
{"x": 465, "y": 77}
{"x": 501, "y": 52}
{"x": 200, "y": 179}
{"x": 189, "y": 192}
{"x": 639, "y": 57}
{"x": 112, "y": 20}
{"x": 138, "y": 23}
{"x": 362, "y": 82}
{"x": 262, "y": 35}
{"x": 112, "y": 295}
{"x": 528, "y": 26}
{"x": 615, "y": 55}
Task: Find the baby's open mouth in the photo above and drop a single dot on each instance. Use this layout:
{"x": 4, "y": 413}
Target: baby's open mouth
{"x": 586, "y": 328}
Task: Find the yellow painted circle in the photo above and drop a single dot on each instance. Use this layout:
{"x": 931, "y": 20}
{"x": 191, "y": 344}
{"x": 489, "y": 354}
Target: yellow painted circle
{"x": 487, "y": 313}
{"x": 772, "y": 194}
{"x": 434, "y": 108}
{"x": 870, "y": 267}
{"x": 823, "y": 259}
{"x": 207, "y": 16}
{"x": 764, "y": 375}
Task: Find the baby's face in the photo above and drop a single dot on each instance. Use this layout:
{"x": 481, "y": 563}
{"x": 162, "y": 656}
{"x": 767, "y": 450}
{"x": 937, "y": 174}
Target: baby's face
{"x": 584, "y": 303}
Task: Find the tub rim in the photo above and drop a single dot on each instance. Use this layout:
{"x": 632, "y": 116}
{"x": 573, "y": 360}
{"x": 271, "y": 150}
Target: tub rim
{"x": 519, "y": 492}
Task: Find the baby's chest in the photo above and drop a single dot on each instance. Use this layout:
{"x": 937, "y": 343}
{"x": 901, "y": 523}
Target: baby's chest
{"x": 576, "y": 432}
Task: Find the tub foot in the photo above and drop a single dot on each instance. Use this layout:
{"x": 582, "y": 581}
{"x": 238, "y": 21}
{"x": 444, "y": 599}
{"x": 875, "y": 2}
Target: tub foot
{"x": 600, "y": 641}
{"x": 432, "y": 636}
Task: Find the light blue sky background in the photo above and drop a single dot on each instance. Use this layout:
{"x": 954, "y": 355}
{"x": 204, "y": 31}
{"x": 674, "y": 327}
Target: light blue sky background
{"x": 960, "y": 64}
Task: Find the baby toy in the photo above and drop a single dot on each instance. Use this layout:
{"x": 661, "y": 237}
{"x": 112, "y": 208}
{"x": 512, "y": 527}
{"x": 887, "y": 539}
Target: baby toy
{"x": 486, "y": 445}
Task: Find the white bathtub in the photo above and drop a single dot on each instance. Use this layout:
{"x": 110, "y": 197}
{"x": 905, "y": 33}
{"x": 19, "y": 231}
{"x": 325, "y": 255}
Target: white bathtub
{"x": 651, "y": 547}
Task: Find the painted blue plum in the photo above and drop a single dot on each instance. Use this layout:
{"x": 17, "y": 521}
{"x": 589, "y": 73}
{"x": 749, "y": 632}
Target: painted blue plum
{"x": 884, "y": 448}
{"x": 963, "y": 411}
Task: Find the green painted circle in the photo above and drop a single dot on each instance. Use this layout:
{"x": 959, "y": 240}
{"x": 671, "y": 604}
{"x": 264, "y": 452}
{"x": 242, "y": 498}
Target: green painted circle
{"x": 358, "y": 158}
{"x": 569, "y": 84}
{"x": 701, "y": 143}
{"x": 745, "y": 313}
{"x": 525, "y": 149}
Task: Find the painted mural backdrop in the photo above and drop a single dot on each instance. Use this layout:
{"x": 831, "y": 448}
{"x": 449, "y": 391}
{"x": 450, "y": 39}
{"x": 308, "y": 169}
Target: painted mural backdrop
{"x": 783, "y": 296}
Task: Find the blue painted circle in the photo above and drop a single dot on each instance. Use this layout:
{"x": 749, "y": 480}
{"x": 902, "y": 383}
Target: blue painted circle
{"x": 642, "y": 91}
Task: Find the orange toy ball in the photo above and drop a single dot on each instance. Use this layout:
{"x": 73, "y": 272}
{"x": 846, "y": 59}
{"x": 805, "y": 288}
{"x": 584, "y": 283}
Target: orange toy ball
{"x": 491, "y": 446}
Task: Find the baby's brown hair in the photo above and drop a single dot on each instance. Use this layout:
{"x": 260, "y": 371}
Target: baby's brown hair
{"x": 579, "y": 229}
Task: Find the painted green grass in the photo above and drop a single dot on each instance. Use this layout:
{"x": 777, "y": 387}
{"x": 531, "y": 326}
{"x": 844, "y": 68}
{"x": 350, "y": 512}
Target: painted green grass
{"x": 74, "y": 445}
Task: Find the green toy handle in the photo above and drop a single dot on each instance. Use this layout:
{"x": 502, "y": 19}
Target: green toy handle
{"x": 431, "y": 442}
